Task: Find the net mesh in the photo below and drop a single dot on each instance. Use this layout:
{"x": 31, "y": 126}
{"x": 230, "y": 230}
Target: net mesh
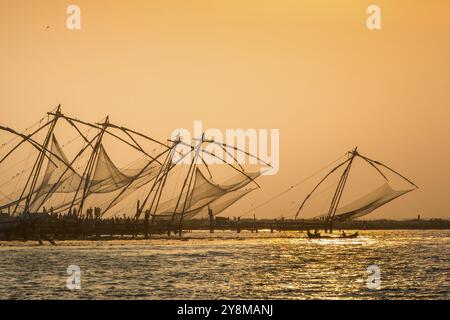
{"x": 219, "y": 204}
{"x": 367, "y": 203}
{"x": 61, "y": 188}
{"x": 207, "y": 193}
{"x": 106, "y": 179}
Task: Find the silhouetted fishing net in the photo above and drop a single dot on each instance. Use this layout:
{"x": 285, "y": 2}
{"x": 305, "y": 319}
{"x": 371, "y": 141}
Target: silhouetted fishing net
{"x": 218, "y": 204}
{"x": 60, "y": 184}
{"x": 367, "y": 203}
{"x": 92, "y": 179}
{"x": 207, "y": 193}
{"x": 363, "y": 205}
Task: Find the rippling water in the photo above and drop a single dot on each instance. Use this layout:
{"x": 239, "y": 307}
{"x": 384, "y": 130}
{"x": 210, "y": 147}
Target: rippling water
{"x": 226, "y": 265}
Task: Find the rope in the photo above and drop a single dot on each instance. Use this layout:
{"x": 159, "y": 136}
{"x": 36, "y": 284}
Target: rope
{"x": 315, "y": 195}
{"x": 23, "y": 132}
{"x": 278, "y": 195}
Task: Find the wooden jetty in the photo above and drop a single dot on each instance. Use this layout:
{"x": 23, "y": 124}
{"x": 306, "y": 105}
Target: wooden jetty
{"x": 74, "y": 229}
{"x": 67, "y": 228}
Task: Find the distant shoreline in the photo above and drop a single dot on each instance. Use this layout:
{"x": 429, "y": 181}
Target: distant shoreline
{"x": 68, "y": 228}
{"x": 188, "y": 236}
{"x": 388, "y": 224}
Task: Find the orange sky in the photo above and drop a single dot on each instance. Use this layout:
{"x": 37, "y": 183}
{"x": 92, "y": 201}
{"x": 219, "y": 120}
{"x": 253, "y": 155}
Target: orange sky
{"x": 309, "y": 68}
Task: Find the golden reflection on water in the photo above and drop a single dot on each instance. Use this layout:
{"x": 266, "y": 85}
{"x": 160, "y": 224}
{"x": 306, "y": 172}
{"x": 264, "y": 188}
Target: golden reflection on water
{"x": 224, "y": 265}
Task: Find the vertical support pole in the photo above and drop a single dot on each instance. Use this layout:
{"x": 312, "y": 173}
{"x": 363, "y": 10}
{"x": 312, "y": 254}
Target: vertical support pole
{"x": 146, "y": 223}
{"x": 34, "y": 175}
{"x": 211, "y": 220}
{"x": 338, "y": 194}
{"x": 238, "y": 224}
{"x": 91, "y": 164}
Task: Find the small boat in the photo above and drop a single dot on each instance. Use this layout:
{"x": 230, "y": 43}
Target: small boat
{"x": 319, "y": 236}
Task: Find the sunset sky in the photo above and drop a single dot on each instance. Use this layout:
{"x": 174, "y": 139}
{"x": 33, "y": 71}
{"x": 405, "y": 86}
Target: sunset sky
{"x": 309, "y": 68}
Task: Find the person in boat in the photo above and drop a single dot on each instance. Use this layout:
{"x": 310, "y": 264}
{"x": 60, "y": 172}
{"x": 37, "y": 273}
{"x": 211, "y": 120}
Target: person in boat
{"x": 343, "y": 234}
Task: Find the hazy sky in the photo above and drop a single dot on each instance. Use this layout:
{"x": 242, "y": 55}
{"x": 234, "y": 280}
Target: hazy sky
{"x": 310, "y": 68}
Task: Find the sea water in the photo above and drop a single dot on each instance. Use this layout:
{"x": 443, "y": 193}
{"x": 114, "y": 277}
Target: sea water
{"x": 226, "y": 265}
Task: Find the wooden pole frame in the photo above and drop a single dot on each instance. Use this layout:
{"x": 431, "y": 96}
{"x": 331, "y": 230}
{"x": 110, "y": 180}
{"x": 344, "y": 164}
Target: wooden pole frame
{"x": 340, "y": 188}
